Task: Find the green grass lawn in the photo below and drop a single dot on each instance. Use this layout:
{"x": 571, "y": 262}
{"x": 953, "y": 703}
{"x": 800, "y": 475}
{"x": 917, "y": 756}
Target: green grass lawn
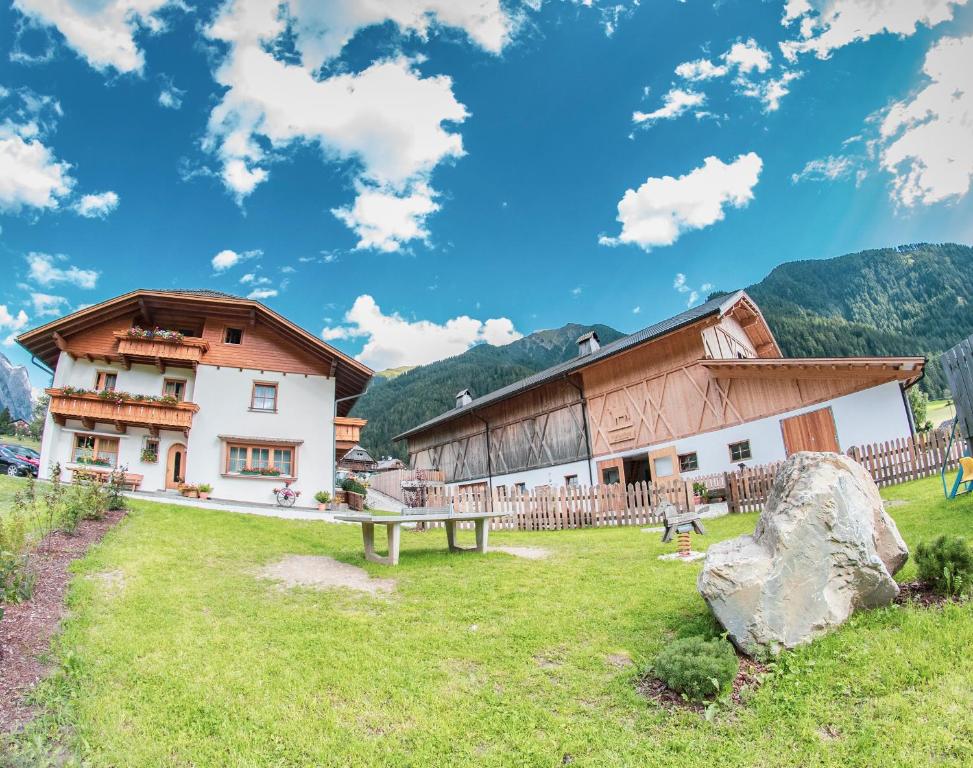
{"x": 28, "y": 441}
{"x": 183, "y": 658}
{"x": 939, "y": 411}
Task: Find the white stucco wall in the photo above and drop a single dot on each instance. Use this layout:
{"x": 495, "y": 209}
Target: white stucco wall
{"x": 305, "y": 411}
{"x": 873, "y": 415}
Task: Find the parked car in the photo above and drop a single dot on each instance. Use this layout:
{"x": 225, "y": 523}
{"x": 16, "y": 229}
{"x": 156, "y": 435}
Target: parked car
{"x": 16, "y": 462}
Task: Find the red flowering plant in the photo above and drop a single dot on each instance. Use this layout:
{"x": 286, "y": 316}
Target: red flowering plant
{"x": 117, "y": 396}
{"x": 155, "y": 334}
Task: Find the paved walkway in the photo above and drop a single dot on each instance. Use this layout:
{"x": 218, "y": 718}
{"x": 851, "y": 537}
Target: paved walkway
{"x": 378, "y": 500}
{"x": 266, "y": 510}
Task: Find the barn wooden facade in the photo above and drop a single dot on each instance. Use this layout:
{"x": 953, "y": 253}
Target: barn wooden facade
{"x": 659, "y": 402}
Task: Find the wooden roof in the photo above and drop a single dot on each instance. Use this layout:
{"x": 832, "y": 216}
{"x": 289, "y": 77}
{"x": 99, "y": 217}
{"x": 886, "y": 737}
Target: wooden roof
{"x": 737, "y": 304}
{"x": 351, "y": 376}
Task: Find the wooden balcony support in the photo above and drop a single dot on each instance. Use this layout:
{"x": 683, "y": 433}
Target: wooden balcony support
{"x": 90, "y": 410}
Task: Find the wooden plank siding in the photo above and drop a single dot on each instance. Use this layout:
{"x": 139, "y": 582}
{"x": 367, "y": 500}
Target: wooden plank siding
{"x": 262, "y": 348}
{"x": 540, "y": 428}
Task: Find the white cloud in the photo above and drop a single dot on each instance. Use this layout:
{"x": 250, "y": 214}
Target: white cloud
{"x": 662, "y": 209}
{"x": 227, "y": 259}
{"x": 252, "y": 279}
{"x": 102, "y": 32}
{"x": 751, "y": 64}
{"x": 393, "y": 341}
{"x": 747, "y": 57}
{"x": 97, "y": 205}
{"x": 385, "y": 220}
{"x": 12, "y": 323}
{"x": 681, "y": 285}
{"x": 926, "y": 141}
{"x": 830, "y": 168}
{"x": 323, "y": 28}
{"x": 44, "y": 270}
{"x": 391, "y": 123}
{"x": 170, "y": 97}
{"x": 674, "y": 103}
{"x": 636, "y": 310}
{"x": 262, "y": 293}
{"x": 769, "y": 91}
{"x": 701, "y": 69}
{"x": 30, "y": 175}
{"x": 826, "y": 25}
{"x": 577, "y": 291}
{"x": 46, "y": 305}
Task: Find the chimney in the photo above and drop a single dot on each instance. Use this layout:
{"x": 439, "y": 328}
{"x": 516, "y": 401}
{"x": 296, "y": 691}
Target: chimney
{"x": 464, "y": 397}
{"x": 588, "y": 344}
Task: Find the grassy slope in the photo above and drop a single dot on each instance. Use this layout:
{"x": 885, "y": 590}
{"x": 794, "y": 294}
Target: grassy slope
{"x": 940, "y": 411}
{"x": 197, "y": 662}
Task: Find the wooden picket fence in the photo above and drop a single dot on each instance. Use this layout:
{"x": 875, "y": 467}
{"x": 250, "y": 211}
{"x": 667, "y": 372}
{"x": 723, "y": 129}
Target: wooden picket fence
{"x": 554, "y": 509}
{"x": 899, "y": 461}
{"x": 390, "y": 482}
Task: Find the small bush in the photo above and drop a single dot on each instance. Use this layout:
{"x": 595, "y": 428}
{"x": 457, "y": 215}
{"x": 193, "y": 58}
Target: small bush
{"x": 946, "y": 563}
{"x": 113, "y": 496}
{"x": 322, "y": 497}
{"x": 352, "y": 485}
{"x": 16, "y": 581}
{"x": 696, "y": 667}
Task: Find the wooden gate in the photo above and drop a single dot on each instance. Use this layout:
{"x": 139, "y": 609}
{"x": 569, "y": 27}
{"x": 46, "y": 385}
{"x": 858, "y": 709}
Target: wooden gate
{"x": 814, "y": 431}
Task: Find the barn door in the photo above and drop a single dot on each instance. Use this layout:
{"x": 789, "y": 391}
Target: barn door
{"x": 814, "y": 431}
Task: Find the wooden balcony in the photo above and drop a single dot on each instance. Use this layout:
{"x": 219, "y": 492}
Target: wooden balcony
{"x": 347, "y": 433}
{"x": 90, "y": 410}
{"x": 185, "y": 353}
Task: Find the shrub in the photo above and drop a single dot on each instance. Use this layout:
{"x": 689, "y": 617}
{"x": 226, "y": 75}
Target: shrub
{"x": 352, "y": 485}
{"x": 16, "y": 582}
{"x": 113, "y": 496}
{"x": 696, "y": 667}
{"x": 699, "y": 489}
{"x": 322, "y": 497}
{"x": 946, "y": 564}
{"x": 204, "y": 488}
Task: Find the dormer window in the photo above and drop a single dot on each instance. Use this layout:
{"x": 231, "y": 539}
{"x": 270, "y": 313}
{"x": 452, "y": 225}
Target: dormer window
{"x": 232, "y": 335}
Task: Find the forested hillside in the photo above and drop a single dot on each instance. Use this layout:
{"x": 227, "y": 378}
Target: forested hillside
{"x": 909, "y": 300}
{"x": 395, "y": 404}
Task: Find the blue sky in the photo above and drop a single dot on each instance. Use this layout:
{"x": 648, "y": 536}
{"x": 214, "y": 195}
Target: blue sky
{"x": 411, "y": 180}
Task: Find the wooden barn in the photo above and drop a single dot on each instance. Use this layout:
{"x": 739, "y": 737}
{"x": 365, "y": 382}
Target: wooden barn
{"x": 357, "y": 460}
{"x": 702, "y": 392}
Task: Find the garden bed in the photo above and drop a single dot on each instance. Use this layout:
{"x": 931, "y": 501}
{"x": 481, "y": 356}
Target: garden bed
{"x": 26, "y": 628}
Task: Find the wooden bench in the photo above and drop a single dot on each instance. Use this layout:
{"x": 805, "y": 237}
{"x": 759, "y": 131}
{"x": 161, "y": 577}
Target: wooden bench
{"x": 130, "y": 480}
{"x": 393, "y": 523}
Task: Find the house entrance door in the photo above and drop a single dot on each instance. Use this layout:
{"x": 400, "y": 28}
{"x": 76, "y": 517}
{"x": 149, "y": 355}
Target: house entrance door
{"x": 175, "y": 466}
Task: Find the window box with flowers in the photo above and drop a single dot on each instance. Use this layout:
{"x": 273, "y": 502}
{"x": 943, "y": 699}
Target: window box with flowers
{"x": 266, "y": 459}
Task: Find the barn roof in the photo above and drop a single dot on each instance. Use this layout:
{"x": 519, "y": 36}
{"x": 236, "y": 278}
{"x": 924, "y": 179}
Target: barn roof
{"x": 717, "y": 306}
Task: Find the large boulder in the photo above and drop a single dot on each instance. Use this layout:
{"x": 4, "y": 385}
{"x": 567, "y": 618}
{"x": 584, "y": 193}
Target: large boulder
{"x": 823, "y": 547}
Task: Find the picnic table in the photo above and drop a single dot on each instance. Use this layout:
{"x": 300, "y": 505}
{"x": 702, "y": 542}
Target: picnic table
{"x": 393, "y": 525}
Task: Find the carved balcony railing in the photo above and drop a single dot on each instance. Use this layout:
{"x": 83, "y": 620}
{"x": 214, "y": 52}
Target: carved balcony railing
{"x": 185, "y": 353}
{"x": 91, "y": 409}
{"x": 347, "y": 433}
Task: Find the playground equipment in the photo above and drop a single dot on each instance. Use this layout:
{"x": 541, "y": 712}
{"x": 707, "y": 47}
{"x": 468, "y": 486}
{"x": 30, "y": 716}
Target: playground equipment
{"x": 958, "y": 366}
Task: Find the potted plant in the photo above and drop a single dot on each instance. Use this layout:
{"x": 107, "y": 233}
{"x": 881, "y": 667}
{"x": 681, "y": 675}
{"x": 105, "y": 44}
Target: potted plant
{"x": 204, "y": 489}
{"x": 699, "y": 493}
{"x": 150, "y": 455}
{"x": 323, "y": 498}
{"x": 189, "y": 491}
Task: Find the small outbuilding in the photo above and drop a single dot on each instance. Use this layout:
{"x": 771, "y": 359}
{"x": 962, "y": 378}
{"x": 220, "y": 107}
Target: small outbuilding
{"x": 357, "y": 460}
